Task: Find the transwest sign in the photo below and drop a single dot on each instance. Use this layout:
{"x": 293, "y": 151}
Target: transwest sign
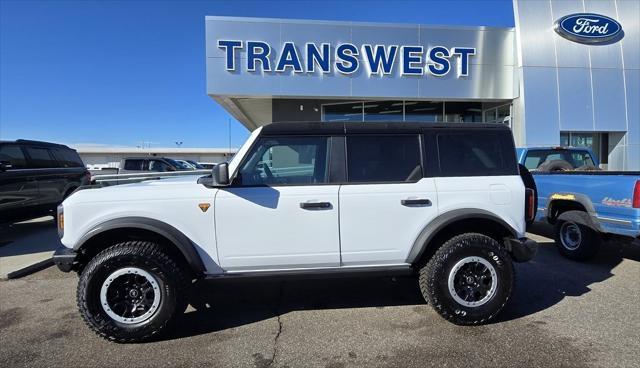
{"x": 346, "y": 58}
{"x": 589, "y": 28}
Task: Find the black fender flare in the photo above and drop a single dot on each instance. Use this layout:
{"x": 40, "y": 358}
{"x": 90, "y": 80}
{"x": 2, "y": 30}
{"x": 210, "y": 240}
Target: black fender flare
{"x": 433, "y": 228}
{"x": 175, "y": 236}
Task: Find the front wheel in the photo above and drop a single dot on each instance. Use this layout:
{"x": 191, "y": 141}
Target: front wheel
{"x": 469, "y": 279}
{"x": 130, "y": 291}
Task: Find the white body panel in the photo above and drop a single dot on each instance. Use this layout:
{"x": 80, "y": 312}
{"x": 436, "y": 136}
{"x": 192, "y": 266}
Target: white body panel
{"x": 375, "y": 228}
{"x": 502, "y": 196}
{"x": 173, "y": 201}
{"x": 265, "y": 228}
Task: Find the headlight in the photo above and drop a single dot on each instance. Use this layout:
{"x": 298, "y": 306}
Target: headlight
{"x": 60, "y": 221}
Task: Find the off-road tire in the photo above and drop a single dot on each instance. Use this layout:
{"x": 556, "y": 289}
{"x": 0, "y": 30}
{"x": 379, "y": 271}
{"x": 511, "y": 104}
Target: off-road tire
{"x": 172, "y": 280}
{"x": 434, "y": 276}
{"x": 590, "y": 240}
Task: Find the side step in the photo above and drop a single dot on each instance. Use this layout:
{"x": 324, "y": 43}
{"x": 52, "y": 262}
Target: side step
{"x": 316, "y": 273}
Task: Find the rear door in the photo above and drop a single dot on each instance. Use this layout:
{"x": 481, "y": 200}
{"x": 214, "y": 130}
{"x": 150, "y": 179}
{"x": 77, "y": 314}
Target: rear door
{"x": 386, "y": 201}
{"x": 49, "y": 174}
{"x": 281, "y": 212}
{"x": 477, "y": 170}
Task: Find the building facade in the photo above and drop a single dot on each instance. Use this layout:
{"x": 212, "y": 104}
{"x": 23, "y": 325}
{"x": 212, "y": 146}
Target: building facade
{"x": 105, "y": 157}
{"x": 550, "y": 90}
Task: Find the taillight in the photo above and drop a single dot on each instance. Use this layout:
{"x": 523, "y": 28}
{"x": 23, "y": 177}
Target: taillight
{"x": 636, "y": 195}
{"x": 530, "y": 207}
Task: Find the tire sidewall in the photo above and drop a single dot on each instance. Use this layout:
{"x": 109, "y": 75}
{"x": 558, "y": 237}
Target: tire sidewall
{"x": 472, "y": 246}
{"x": 96, "y": 273}
{"x": 587, "y": 247}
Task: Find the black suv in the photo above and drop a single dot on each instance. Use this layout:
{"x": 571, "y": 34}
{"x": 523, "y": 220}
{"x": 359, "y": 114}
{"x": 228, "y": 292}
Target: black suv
{"x": 35, "y": 177}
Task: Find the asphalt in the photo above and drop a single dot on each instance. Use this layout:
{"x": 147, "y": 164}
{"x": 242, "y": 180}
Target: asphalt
{"x": 563, "y": 313}
{"x": 26, "y": 247}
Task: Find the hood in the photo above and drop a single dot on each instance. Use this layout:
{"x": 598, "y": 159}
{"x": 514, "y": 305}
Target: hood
{"x": 160, "y": 189}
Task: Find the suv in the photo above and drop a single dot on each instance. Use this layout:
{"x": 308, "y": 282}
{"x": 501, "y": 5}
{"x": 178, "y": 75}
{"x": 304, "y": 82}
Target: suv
{"x": 35, "y": 177}
{"x": 150, "y": 164}
{"x": 442, "y": 202}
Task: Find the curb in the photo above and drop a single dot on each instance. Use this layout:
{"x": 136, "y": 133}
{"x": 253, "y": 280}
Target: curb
{"x": 28, "y": 270}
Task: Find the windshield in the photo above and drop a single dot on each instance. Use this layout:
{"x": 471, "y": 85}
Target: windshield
{"x": 576, "y": 158}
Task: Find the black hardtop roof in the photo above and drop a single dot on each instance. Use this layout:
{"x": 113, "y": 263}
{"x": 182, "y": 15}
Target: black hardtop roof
{"x": 36, "y": 143}
{"x": 370, "y": 127}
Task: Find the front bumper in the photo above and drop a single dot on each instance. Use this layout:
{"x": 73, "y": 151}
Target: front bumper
{"x": 65, "y": 258}
{"x": 523, "y": 249}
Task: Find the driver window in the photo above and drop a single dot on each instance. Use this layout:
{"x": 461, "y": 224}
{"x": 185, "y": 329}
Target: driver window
{"x": 286, "y": 161}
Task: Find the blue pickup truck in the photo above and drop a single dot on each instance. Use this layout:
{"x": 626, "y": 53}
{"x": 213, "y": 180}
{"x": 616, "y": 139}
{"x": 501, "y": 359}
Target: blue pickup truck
{"x": 585, "y": 204}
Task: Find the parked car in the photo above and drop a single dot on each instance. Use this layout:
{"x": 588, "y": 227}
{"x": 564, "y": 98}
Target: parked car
{"x": 35, "y": 177}
{"x": 585, "y": 207}
{"x": 197, "y": 165}
{"x": 207, "y": 165}
{"x": 442, "y": 202}
{"x": 130, "y": 165}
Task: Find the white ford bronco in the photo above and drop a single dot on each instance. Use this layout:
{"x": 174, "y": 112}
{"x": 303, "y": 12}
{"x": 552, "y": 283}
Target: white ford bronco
{"x": 444, "y": 202}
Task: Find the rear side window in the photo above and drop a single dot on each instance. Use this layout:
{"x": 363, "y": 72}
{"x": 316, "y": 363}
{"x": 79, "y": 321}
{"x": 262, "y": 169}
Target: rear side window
{"x": 476, "y": 154}
{"x": 383, "y": 158}
{"x": 133, "y": 165}
{"x": 13, "y": 154}
{"x": 68, "y": 158}
{"x": 40, "y": 157}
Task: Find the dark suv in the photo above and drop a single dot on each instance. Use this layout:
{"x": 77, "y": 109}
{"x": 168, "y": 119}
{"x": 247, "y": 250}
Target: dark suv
{"x": 35, "y": 177}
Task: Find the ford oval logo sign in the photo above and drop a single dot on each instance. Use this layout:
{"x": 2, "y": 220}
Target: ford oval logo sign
{"x": 589, "y": 28}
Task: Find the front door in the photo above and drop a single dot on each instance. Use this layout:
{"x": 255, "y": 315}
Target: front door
{"x": 280, "y": 212}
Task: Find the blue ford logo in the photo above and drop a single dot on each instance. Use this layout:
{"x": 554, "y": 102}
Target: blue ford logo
{"x": 589, "y": 28}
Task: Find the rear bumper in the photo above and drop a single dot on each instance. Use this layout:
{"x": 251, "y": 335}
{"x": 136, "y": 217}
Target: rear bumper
{"x": 523, "y": 249}
{"x": 65, "y": 258}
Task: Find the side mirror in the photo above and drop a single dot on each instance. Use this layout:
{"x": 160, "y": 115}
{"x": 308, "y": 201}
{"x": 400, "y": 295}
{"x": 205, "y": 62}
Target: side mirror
{"x": 5, "y": 165}
{"x": 220, "y": 174}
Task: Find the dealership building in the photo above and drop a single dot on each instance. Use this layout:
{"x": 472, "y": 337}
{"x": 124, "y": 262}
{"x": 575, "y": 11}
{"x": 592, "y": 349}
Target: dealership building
{"x": 568, "y": 73}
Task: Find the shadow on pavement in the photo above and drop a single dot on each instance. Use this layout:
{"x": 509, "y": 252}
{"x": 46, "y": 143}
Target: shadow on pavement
{"x": 33, "y": 236}
{"x": 540, "y": 284}
{"x": 549, "y": 277}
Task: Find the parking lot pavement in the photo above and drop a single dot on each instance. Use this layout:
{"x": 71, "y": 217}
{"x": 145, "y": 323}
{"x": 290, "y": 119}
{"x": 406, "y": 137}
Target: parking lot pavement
{"x": 27, "y": 245}
{"x": 563, "y": 313}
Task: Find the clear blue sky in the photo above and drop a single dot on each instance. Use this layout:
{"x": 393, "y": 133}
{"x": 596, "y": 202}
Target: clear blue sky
{"x": 121, "y": 72}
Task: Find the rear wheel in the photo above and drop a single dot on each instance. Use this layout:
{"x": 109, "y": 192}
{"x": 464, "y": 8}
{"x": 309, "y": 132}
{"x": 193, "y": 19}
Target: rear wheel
{"x": 469, "y": 279}
{"x": 574, "y": 239}
{"x": 130, "y": 291}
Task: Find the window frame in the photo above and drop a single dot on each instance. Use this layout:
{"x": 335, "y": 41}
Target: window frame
{"x": 330, "y": 153}
{"x": 421, "y": 156}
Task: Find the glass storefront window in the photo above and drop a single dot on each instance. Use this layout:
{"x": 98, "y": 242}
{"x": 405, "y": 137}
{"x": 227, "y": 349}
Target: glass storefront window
{"x": 423, "y": 111}
{"x": 342, "y": 112}
{"x": 383, "y": 111}
{"x": 504, "y": 114}
{"x": 416, "y": 111}
{"x": 463, "y": 112}
{"x": 490, "y": 115}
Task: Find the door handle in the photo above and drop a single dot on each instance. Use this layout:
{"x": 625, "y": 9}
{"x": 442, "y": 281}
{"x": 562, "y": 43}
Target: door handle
{"x": 416, "y": 202}
{"x": 315, "y": 205}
